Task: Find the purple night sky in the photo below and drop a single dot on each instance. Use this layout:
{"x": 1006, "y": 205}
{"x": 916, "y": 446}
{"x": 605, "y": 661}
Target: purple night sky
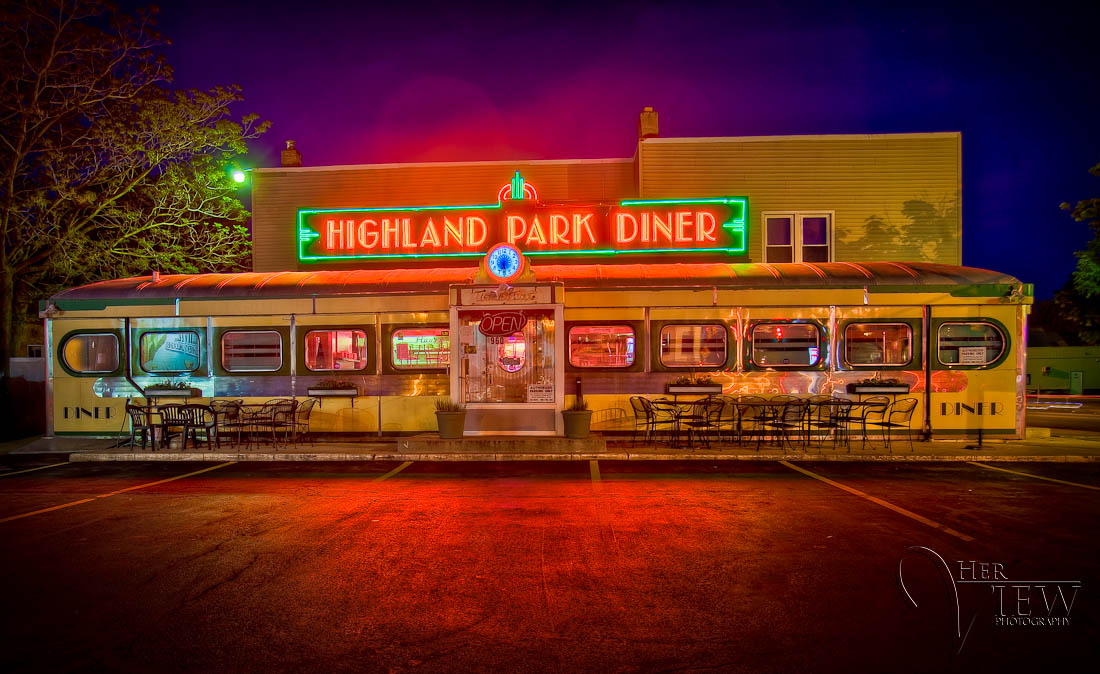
{"x": 402, "y": 82}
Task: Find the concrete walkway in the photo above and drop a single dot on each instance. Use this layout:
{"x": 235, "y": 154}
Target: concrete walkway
{"x": 1040, "y": 445}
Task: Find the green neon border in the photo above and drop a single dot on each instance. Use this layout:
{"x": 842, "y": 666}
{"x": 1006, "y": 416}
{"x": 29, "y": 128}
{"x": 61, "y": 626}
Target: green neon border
{"x": 736, "y": 226}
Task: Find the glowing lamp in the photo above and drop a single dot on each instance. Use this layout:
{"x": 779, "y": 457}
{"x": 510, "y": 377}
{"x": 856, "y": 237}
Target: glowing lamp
{"x": 238, "y": 176}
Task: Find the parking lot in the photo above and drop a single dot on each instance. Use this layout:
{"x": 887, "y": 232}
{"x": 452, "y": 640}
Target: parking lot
{"x": 548, "y": 566}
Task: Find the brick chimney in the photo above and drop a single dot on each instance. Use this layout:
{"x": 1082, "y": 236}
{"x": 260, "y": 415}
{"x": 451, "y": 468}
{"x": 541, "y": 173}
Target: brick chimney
{"x": 291, "y": 155}
{"x": 647, "y": 123}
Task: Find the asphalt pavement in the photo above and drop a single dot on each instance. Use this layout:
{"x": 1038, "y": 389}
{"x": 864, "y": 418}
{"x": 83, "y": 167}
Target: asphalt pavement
{"x": 632, "y": 566}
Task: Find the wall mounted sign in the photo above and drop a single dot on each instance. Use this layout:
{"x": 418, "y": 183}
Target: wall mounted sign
{"x": 712, "y": 225}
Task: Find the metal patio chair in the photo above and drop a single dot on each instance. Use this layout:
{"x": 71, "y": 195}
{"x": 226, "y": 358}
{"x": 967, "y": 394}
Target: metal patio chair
{"x": 869, "y": 412}
{"x": 301, "y": 419}
{"x": 898, "y": 415}
{"x": 704, "y": 419}
{"x": 791, "y": 422}
{"x": 228, "y": 418}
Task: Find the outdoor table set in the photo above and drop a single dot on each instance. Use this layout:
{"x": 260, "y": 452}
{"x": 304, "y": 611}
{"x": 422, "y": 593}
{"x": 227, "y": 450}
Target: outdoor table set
{"x": 282, "y": 420}
{"x": 785, "y": 420}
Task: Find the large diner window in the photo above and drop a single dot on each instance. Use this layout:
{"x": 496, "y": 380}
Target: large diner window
{"x": 252, "y": 350}
{"x": 90, "y": 353}
{"x": 785, "y": 345}
{"x": 887, "y": 344}
{"x": 798, "y": 237}
{"x": 970, "y": 343}
{"x": 170, "y": 351}
{"x": 419, "y": 348}
{"x": 601, "y": 346}
{"x": 693, "y": 346}
{"x": 332, "y": 350}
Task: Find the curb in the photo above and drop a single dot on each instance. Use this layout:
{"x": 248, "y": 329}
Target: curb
{"x": 579, "y": 456}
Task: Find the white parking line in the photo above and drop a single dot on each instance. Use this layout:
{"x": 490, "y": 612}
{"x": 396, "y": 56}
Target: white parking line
{"x": 393, "y": 472}
{"x": 594, "y": 470}
{"x": 112, "y": 493}
{"x": 31, "y": 470}
{"x": 1037, "y": 477}
{"x": 885, "y": 504}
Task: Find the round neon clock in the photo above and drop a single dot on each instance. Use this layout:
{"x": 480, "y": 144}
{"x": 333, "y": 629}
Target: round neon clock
{"x": 503, "y": 262}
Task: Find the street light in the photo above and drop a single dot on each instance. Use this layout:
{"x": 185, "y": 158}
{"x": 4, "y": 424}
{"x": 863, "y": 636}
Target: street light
{"x": 238, "y": 176}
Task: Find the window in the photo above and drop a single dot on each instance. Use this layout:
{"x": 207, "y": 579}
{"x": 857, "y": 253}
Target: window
{"x": 878, "y": 344}
{"x": 417, "y": 348}
{"x": 786, "y": 344}
{"x": 177, "y": 351}
{"x": 601, "y": 346}
{"x": 693, "y": 346}
{"x": 252, "y": 351}
{"x": 329, "y": 350}
{"x": 798, "y": 237}
{"x": 970, "y": 343}
{"x": 91, "y": 353}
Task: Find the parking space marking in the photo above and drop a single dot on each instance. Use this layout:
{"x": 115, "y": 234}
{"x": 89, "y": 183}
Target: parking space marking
{"x": 594, "y": 469}
{"x": 29, "y": 470}
{"x": 1037, "y": 477}
{"x": 885, "y": 504}
{"x": 113, "y": 493}
{"x": 393, "y": 472}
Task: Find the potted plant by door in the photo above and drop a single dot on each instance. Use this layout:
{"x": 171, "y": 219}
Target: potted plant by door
{"x": 451, "y": 417}
{"x": 578, "y": 419}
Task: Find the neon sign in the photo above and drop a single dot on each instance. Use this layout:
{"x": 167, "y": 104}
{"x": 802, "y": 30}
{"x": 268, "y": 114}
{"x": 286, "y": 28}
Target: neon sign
{"x": 712, "y": 225}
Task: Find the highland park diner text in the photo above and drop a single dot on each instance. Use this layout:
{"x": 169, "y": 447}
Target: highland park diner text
{"x": 714, "y": 225}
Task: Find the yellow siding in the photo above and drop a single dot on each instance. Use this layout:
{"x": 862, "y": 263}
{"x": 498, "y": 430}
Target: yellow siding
{"x": 278, "y": 193}
{"x": 894, "y": 197}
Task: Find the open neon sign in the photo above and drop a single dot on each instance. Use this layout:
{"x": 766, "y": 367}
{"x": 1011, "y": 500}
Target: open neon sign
{"x": 714, "y": 225}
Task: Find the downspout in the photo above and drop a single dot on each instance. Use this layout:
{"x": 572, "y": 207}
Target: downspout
{"x": 129, "y": 359}
{"x": 926, "y": 354}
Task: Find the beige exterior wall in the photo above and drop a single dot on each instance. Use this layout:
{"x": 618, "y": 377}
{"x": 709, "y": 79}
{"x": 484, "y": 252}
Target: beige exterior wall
{"x": 893, "y": 196}
{"x": 278, "y": 193}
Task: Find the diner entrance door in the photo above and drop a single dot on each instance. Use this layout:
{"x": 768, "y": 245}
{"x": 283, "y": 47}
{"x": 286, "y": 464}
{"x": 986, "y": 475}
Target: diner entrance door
{"x": 509, "y": 368}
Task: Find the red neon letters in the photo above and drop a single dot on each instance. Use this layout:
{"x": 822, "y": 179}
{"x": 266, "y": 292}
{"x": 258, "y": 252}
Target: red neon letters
{"x": 531, "y": 227}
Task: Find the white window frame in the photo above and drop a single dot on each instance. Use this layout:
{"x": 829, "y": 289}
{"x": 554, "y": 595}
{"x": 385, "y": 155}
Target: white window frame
{"x": 796, "y": 235}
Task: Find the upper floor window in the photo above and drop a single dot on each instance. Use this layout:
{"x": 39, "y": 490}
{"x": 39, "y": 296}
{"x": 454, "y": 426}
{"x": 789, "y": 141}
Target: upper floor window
{"x": 798, "y": 237}
{"x": 91, "y": 352}
{"x": 693, "y": 345}
{"x": 601, "y": 346}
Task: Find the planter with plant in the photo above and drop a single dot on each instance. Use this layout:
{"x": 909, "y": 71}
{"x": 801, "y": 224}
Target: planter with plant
{"x": 878, "y": 385}
{"x": 451, "y": 417}
{"x": 578, "y": 419}
{"x": 688, "y": 384}
{"x": 334, "y": 387}
{"x": 171, "y": 389}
